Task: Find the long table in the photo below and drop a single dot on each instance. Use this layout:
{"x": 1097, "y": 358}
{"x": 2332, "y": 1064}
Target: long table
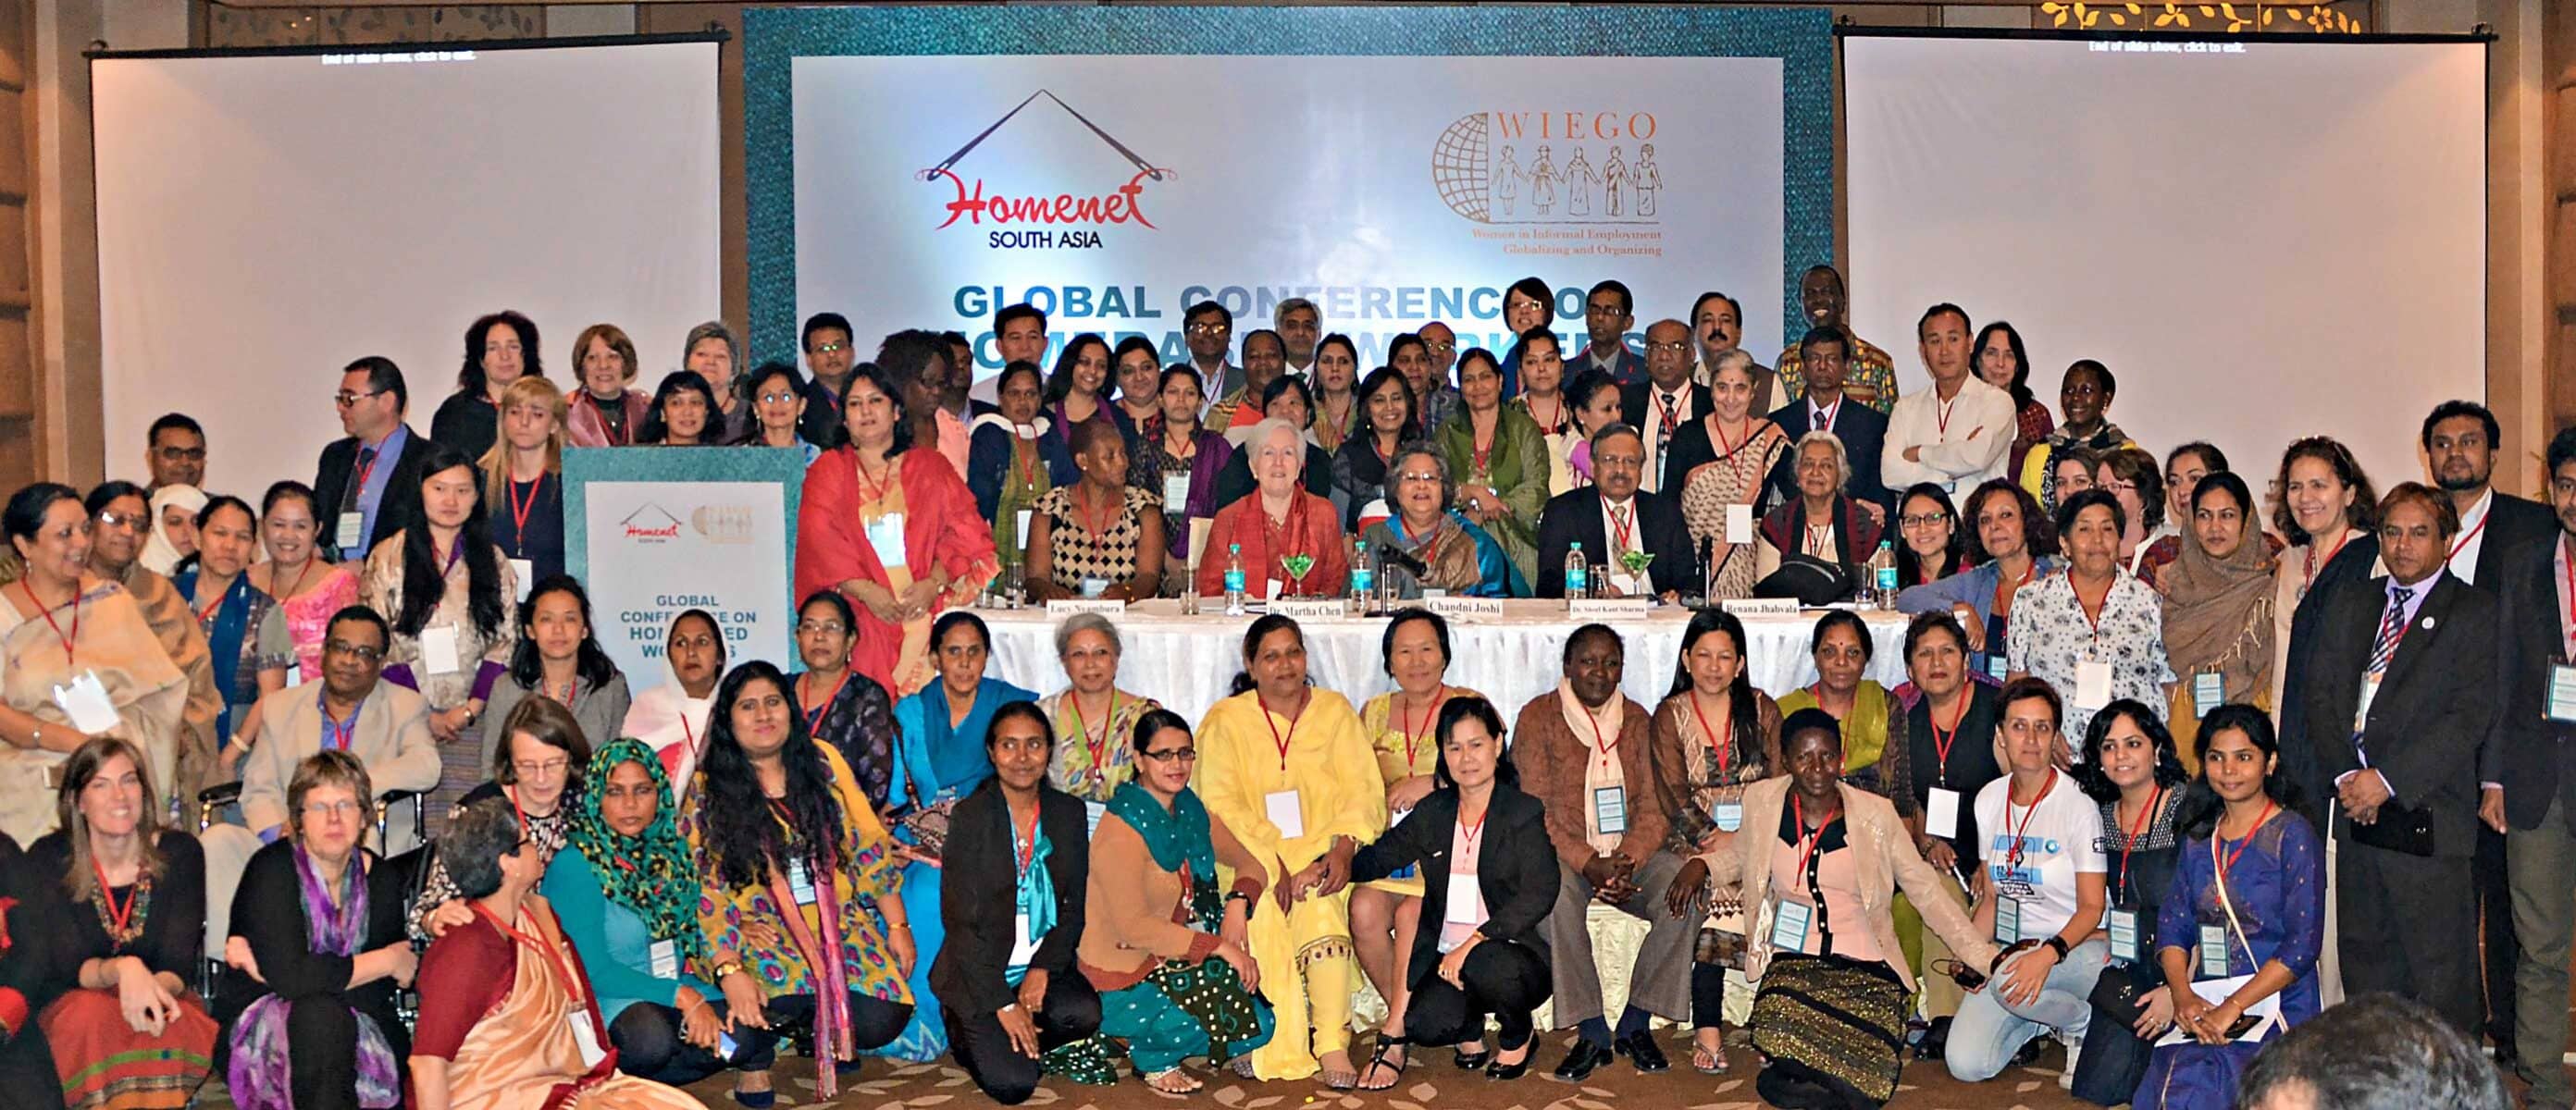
{"x": 1189, "y": 662}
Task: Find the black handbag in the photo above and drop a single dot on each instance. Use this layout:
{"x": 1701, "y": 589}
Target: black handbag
{"x": 2119, "y": 993}
{"x": 1813, "y": 581}
{"x": 2398, "y": 829}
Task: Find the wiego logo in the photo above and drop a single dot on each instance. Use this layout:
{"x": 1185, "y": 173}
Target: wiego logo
{"x": 1018, "y": 204}
{"x": 651, "y": 524}
{"x": 1554, "y": 167}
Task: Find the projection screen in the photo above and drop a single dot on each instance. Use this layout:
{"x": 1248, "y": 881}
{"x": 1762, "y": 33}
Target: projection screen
{"x": 2262, "y": 240}
{"x": 263, "y": 219}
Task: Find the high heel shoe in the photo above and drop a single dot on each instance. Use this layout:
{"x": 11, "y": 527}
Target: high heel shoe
{"x": 1505, "y": 1073}
{"x": 1472, "y": 1061}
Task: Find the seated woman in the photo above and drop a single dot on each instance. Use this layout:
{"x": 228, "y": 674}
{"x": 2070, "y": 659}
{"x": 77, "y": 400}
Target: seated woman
{"x": 842, "y": 707}
{"x": 1014, "y": 997}
{"x": 627, "y": 894}
{"x": 1180, "y": 458}
{"x": 308, "y": 993}
{"x": 2131, "y": 770}
{"x": 1842, "y": 648}
{"x": 793, "y": 869}
{"x": 122, "y": 921}
{"x": 1488, "y": 954}
{"x": 450, "y": 593}
{"x": 2218, "y": 608}
{"x": 1282, "y": 535}
{"x": 173, "y": 536}
{"x": 2008, "y": 547}
{"x": 1499, "y": 459}
{"x": 1819, "y": 878}
{"x": 1091, "y": 714}
{"x": 1430, "y": 545}
{"x": 1014, "y": 456}
{"x": 941, "y": 761}
{"x": 508, "y": 1018}
{"x": 525, "y": 466}
{"x": 1730, "y": 733}
{"x": 1098, "y": 537}
{"x": 559, "y": 658}
{"x": 1387, "y": 426}
{"x": 245, "y": 632}
{"x": 1168, "y": 953}
{"x": 1928, "y": 528}
{"x": 308, "y": 590}
{"x": 2251, "y": 871}
{"x": 672, "y": 718}
{"x": 57, "y": 622}
{"x": 1285, "y": 399}
{"x": 1300, "y": 791}
{"x": 683, "y": 413}
{"x": 1821, "y": 522}
{"x": 777, "y": 408}
{"x": 538, "y": 774}
{"x": 889, "y": 524}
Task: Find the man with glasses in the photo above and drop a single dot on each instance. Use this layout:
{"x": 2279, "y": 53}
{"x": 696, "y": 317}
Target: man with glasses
{"x": 1301, "y": 328}
{"x": 1608, "y": 312}
{"x": 1208, "y": 328}
{"x": 1437, "y": 391}
{"x": 174, "y": 452}
{"x": 1664, "y": 402}
{"x": 1862, "y": 429}
{"x": 380, "y": 456}
{"x": 828, "y": 359}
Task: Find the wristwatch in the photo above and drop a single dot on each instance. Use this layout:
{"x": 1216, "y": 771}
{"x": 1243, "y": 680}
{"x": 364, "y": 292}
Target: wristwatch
{"x": 2056, "y": 944}
{"x": 726, "y": 969}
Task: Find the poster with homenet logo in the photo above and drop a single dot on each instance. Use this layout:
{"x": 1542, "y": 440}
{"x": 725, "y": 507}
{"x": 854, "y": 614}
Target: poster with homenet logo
{"x": 658, "y": 545}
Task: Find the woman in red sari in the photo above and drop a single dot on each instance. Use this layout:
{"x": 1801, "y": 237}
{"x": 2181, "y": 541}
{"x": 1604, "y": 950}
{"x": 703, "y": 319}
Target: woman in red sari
{"x": 1280, "y": 527}
{"x": 893, "y": 527}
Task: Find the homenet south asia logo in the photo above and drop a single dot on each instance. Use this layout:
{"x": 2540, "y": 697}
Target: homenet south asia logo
{"x": 651, "y": 524}
{"x": 1063, "y": 220}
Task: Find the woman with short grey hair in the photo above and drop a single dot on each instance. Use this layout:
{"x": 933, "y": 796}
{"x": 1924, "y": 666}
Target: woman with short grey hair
{"x": 714, "y": 352}
{"x": 1424, "y": 543}
{"x": 1091, "y": 715}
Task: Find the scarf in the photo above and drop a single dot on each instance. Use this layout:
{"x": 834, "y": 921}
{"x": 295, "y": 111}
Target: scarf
{"x": 1037, "y": 886}
{"x": 2110, "y": 436}
{"x": 823, "y": 952}
{"x": 160, "y": 556}
{"x": 1177, "y": 837}
{"x": 649, "y": 874}
{"x": 231, "y": 623}
{"x": 1585, "y": 723}
{"x": 2218, "y": 614}
{"x": 259, "y": 1073}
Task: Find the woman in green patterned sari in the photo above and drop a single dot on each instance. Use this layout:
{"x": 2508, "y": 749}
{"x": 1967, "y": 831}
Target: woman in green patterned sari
{"x": 1500, "y": 461}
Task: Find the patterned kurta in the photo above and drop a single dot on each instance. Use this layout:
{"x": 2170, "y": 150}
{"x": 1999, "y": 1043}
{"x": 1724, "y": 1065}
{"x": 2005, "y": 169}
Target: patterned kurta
{"x": 1735, "y": 478}
{"x": 1093, "y": 756}
{"x": 1076, "y": 552}
{"x": 858, "y": 884}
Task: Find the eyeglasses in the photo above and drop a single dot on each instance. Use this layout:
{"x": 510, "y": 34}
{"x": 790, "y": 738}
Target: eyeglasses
{"x": 1175, "y": 755}
{"x": 821, "y": 628}
{"x": 358, "y": 652}
{"x": 547, "y": 769}
{"x": 1606, "y": 312}
{"x": 1209, "y": 329}
{"x": 136, "y": 521}
{"x": 346, "y": 807}
{"x": 1419, "y": 476}
{"x": 190, "y": 454}
{"x": 1441, "y": 348}
{"x": 1670, "y": 347}
{"x": 777, "y": 398}
{"x": 829, "y": 348}
{"x": 1924, "y": 520}
{"x": 346, "y": 398}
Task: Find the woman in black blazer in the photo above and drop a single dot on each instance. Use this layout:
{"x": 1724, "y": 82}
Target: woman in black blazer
{"x": 1487, "y": 955}
{"x": 1018, "y": 851}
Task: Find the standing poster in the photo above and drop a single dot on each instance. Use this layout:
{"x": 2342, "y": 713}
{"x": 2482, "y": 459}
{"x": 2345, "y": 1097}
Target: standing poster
{"x": 655, "y": 532}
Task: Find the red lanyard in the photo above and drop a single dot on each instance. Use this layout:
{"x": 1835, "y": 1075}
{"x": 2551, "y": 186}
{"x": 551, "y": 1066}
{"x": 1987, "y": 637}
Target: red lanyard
{"x": 1671, "y": 411}
{"x": 2092, "y": 613}
{"x": 300, "y": 571}
{"x": 1475, "y": 832}
{"x": 2568, "y": 630}
{"x": 2471, "y": 534}
{"x": 369, "y": 469}
{"x": 1544, "y": 426}
{"x": 1291, "y": 533}
{"x": 1484, "y": 451}
{"x": 1099, "y": 749}
{"x": 1941, "y": 413}
{"x": 208, "y": 613}
{"x": 1623, "y": 529}
{"x": 2130, "y": 842}
{"x": 2004, "y": 590}
{"x": 118, "y": 920}
{"x": 814, "y": 709}
{"x": 572, "y": 689}
{"x": 342, "y": 735}
{"x": 2308, "y": 573}
{"x": 1734, "y": 461}
{"x": 1943, "y": 739}
{"x": 1807, "y": 844}
{"x": 2227, "y": 863}
{"x": 1413, "y": 737}
{"x": 874, "y": 489}
{"x": 1026, "y": 848}
{"x": 1725, "y": 752}
{"x": 1094, "y": 527}
{"x": 2012, "y": 857}
{"x": 1303, "y": 697}
{"x": 48, "y": 614}
{"x": 572, "y": 984}
{"x": 519, "y": 513}
{"x": 1597, "y": 745}
{"x": 1024, "y": 450}
{"x": 1822, "y": 418}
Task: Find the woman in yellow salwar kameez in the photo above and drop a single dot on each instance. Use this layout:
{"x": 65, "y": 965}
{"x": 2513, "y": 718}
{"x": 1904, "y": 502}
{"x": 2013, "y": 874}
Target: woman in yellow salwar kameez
{"x": 1288, "y": 768}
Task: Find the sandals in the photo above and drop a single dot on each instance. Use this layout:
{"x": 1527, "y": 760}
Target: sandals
{"x": 1378, "y": 1059}
{"x": 1155, "y": 1081}
{"x": 1706, "y": 1060}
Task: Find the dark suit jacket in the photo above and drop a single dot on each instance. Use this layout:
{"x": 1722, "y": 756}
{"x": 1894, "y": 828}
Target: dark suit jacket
{"x": 1631, "y": 366}
{"x": 979, "y": 896}
{"x": 1574, "y": 517}
{"x": 2526, "y": 751}
{"x": 2511, "y": 522}
{"x": 1634, "y": 396}
{"x": 2434, "y": 709}
{"x": 1863, "y": 431}
{"x": 1515, "y": 870}
{"x": 339, "y": 467}
{"x": 2298, "y": 759}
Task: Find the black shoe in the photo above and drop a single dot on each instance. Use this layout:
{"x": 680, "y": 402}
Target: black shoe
{"x": 1641, "y": 1049}
{"x": 1471, "y": 1061}
{"x": 1505, "y": 1073}
{"x": 1936, "y": 1040}
{"x": 2029, "y": 1053}
{"x": 1585, "y": 1058}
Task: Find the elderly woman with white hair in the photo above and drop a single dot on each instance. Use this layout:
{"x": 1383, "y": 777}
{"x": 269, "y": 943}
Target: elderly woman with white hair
{"x": 1821, "y": 522}
{"x": 1430, "y": 544}
{"x": 1092, "y": 716}
{"x": 1288, "y": 541}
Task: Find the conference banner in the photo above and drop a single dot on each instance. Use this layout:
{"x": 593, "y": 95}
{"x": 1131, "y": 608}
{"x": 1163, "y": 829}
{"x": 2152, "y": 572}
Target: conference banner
{"x": 656, "y": 533}
{"x": 1113, "y": 190}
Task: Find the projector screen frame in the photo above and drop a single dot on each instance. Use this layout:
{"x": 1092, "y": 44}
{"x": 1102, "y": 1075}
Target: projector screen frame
{"x": 714, "y": 34}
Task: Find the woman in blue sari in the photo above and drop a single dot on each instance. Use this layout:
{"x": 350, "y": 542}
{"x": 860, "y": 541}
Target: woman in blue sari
{"x": 1430, "y": 545}
{"x": 941, "y": 760}
{"x": 245, "y": 631}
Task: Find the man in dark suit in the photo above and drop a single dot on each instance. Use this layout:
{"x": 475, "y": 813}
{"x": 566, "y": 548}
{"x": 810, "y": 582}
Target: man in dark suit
{"x": 1610, "y": 517}
{"x": 367, "y": 486}
{"x": 2399, "y": 701}
{"x": 2533, "y": 748}
{"x": 1862, "y": 429}
{"x": 2459, "y": 439}
{"x": 1663, "y": 403}
{"x": 1607, "y": 314}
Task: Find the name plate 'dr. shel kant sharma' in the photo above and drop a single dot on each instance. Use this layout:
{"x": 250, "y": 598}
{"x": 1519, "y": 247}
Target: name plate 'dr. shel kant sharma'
{"x": 1608, "y": 608}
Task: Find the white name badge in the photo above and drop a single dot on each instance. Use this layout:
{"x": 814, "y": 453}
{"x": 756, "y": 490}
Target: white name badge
{"x": 1941, "y": 813}
{"x": 351, "y": 532}
{"x": 665, "y": 958}
{"x": 800, "y": 885}
{"x": 1790, "y": 925}
{"x": 1466, "y": 901}
{"x": 2562, "y": 693}
{"x": 1739, "y": 524}
{"x": 2213, "y": 952}
{"x": 1091, "y": 814}
{"x": 2208, "y": 692}
{"x": 1020, "y": 527}
{"x": 438, "y": 650}
{"x": 2124, "y": 936}
{"x": 1285, "y": 813}
{"x": 1729, "y": 815}
{"x": 294, "y": 673}
{"x": 86, "y": 703}
{"x": 1610, "y": 809}
{"x": 885, "y": 536}
{"x": 2007, "y": 921}
{"x": 1024, "y": 947}
{"x": 1996, "y": 668}
{"x": 1176, "y": 492}
{"x": 526, "y": 573}
{"x": 1094, "y": 587}
{"x": 2092, "y": 685}
{"x": 585, "y": 1038}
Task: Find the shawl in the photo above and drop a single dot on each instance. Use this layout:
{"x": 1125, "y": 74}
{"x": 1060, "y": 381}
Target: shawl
{"x": 160, "y": 556}
{"x": 111, "y": 639}
{"x": 941, "y": 528}
{"x": 232, "y": 621}
{"x": 1036, "y": 892}
{"x": 650, "y": 874}
{"x": 2218, "y": 614}
{"x": 1177, "y": 837}
{"x": 1588, "y": 726}
{"x": 931, "y": 765}
{"x": 1455, "y": 554}
{"x": 259, "y": 1074}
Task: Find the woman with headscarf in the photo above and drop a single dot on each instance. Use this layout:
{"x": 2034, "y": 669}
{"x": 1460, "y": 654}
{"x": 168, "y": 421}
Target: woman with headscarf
{"x": 174, "y": 528}
{"x": 2218, "y": 610}
{"x": 672, "y": 718}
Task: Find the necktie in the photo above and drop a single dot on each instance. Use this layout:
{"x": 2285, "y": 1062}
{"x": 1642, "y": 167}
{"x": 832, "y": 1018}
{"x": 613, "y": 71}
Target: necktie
{"x": 358, "y": 489}
{"x": 2392, "y": 627}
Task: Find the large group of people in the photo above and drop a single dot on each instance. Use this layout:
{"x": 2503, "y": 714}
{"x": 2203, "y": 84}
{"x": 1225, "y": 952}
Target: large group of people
{"x": 2183, "y": 755}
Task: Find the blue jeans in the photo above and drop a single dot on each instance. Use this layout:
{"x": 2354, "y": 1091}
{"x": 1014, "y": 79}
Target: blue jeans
{"x": 1988, "y": 1030}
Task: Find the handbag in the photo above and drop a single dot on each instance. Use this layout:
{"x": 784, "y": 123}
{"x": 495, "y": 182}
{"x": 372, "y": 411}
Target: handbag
{"x": 2400, "y": 828}
{"x": 1814, "y": 582}
{"x": 2119, "y": 993}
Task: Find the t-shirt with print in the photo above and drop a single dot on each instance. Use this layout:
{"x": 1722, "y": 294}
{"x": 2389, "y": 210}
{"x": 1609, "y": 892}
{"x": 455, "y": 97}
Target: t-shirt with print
{"x": 2060, "y": 838}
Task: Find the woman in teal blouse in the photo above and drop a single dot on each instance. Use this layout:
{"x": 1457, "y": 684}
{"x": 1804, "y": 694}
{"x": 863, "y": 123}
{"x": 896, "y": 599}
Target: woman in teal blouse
{"x": 941, "y": 759}
{"x": 628, "y": 898}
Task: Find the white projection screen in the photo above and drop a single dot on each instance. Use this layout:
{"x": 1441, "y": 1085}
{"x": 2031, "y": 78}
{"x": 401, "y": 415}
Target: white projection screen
{"x": 265, "y": 219}
{"x": 2262, "y": 240}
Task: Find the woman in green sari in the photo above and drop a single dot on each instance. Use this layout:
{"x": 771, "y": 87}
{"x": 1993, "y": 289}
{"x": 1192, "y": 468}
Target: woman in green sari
{"x": 1500, "y": 460}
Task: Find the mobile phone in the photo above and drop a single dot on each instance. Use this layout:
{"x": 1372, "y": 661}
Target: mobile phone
{"x": 2241, "y": 1025}
{"x": 724, "y": 1044}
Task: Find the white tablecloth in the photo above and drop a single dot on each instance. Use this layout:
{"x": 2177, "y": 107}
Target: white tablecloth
{"x": 1189, "y": 663}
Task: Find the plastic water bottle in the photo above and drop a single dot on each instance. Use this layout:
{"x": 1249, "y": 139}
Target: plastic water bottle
{"x": 1578, "y": 575}
{"x": 1882, "y": 573}
{"x": 1234, "y": 580}
{"x": 1363, "y": 578}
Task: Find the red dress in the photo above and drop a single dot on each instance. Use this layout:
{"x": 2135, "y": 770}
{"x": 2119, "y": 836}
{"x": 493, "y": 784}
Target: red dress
{"x": 940, "y": 529}
{"x": 1312, "y": 528}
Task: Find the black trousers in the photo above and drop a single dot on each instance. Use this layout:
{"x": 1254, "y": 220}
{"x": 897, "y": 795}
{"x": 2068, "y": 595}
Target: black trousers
{"x": 874, "y": 1022}
{"x": 322, "y": 1053}
{"x": 2499, "y": 949}
{"x": 650, "y": 1045}
{"x": 1708, "y": 995}
{"x": 2407, "y": 924}
{"x": 1503, "y": 978}
{"x": 1070, "y": 1012}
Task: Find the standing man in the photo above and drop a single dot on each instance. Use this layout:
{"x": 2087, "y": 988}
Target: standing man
{"x": 1825, "y": 409}
{"x": 1666, "y": 402}
{"x": 1956, "y": 436}
{"x": 1434, "y": 396}
{"x": 1301, "y": 327}
{"x": 1612, "y": 517}
{"x": 1870, "y": 374}
{"x": 2459, "y": 439}
{"x": 1608, "y": 313}
{"x": 2534, "y": 748}
{"x": 1443, "y": 341}
{"x": 1019, "y": 335}
{"x": 1717, "y": 322}
{"x": 174, "y": 452}
{"x": 828, "y": 359}
{"x": 1264, "y": 359}
{"x": 368, "y": 484}
{"x": 1590, "y": 755}
{"x": 2399, "y": 704}
{"x": 1208, "y": 328}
